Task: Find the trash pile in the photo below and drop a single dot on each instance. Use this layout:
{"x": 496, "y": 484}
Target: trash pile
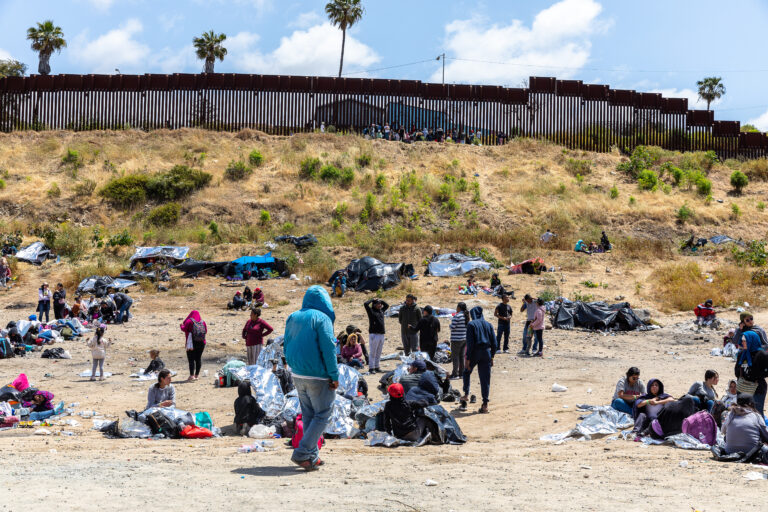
{"x": 453, "y": 264}
{"x": 597, "y": 315}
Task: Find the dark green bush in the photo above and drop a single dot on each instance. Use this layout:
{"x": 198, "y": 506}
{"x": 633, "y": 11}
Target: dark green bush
{"x": 255, "y": 158}
{"x": 647, "y": 179}
{"x": 123, "y": 238}
{"x": 739, "y": 180}
{"x": 330, "y": 173}
{"x": 165, "y": 215}
{"x": 310, "y": 167}
{"x": 236, "y": 171}
{"x": 127, "y": 191}
{"x": 363, "y": 160}
{"x": 179, "y": 182}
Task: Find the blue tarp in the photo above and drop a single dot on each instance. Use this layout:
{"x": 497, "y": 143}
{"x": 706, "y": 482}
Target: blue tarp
{"x": 252, "y": 263}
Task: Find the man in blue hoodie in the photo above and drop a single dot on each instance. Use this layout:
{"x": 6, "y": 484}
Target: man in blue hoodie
{"x": 481, "y": 347}
{"x": 310, "y": 351}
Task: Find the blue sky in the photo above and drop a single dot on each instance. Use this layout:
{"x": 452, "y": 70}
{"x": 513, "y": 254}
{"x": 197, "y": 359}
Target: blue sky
{"x": 663, "y": 46}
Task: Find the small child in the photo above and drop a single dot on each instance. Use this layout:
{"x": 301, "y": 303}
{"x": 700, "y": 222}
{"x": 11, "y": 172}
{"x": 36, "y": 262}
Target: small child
{"x": 98, "y": 346}
{"x": 731, "y": 395}
{"x": 156, "y": 364}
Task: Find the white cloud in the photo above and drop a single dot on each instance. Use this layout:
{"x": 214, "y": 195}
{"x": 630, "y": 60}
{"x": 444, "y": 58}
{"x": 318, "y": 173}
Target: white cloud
{"x": 102, "y": 4}
{"x": 558, "y": 37}
{"x": 306, "y": 20}
{"x": 314, "y": 51}
{"x": 693, "y": 97}
{"x": 4, "y": 54}
{"x": 116, "y": 49}
{"x": 171, "y": 61}
{"x": 760, "y": 122}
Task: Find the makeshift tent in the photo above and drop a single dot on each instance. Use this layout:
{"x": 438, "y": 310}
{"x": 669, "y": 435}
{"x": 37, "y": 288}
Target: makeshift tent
{"x": 193, "y": 268}
{"x": 371, "y": 274}
{"x": 256, "y": 264}
{"x": 301, "y": 242}
{"x": 532, "y": 266}
{"x": 98, "y": 285}
{"x": 456, "y": 265}
{"x": 173, "y": 255}
{"x": 36, "y": 253}
{"x": 135, "y": 275}
{"x": 596, "y": 315}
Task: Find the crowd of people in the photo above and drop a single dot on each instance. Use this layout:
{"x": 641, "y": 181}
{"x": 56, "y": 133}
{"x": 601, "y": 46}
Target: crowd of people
{"x": 399, "y": 133}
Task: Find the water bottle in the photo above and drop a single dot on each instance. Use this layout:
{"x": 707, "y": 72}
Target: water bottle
{"x": 245, "y": 449}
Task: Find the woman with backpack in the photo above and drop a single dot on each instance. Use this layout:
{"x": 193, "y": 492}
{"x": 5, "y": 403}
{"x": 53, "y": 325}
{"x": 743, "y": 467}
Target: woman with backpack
{"x": 194, "y": 330}
{"x": 98, "y": 346}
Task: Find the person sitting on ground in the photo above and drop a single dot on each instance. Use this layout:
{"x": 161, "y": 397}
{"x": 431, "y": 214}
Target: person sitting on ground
{"x": 351, "y": 352}
{"x": 581, "y": 247}
{"x": 92, "y": 308}
{"x": 647, "y": 407}
{"x": 593, "y": 248}
{"x": 162, "y": 393}
{"x": 628, "y": 389}
{"x": 705, "y": 389}
{"x": 731, "y": 395}
{"x": 41, "y": 401}
{"x": 605, "y": 244}
{"x": 77, "y": 307}
{"x": 428, "y": 328}
{"x": 547, "y": 236}
{"x": 671, "y": 417}
{"x": 339, "y": 285}
{"x": 705, "y": 313}
{"x": 238, "y": 302}
{"x": 360, "y": 339}
{"x": 427, "y": 389}
{"x": 401, "y": 417}
{"x": 247, "y": 296}
{"x": 743, "y": 428}
{"x": 98, "y": 346}
{"x": 472, "y": 285}
{"x": 156, "y": 364}
{"x": 258, "y": 298}
{"x": 248, "y": 412}
{"x": 107, "y": 311}
{"x": 495, "y": 281}
{"x": 284, "y": 375}
{"x": 412, "y": 378}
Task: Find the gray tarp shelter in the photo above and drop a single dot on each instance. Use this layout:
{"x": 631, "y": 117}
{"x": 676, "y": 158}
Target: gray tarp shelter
{"x": 173, "y": 255}
{"x": 98, "y": 285}
{"x": 35, "y": 253}
{"x": 454, "y": 264}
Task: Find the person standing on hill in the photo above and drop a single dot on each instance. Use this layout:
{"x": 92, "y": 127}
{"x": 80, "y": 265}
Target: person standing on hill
{"x": 409, "y": 314}
{"x": 529, "y": 306}
{"x": 375, "y": 309}
{"x": 428, "y": 328}
{"x": 59, "y": 301}
{"x": 44, "y": 297}
{"x": 503, "y": 313}
{"x": 310, "y": 351}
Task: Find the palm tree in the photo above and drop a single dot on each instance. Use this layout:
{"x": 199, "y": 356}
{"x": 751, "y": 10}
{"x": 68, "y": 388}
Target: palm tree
{"x": 344, "y": 14}
{"x": 46, "y": 38}
{"x": 710, "y": 89}
{"x": 209, "y": 48}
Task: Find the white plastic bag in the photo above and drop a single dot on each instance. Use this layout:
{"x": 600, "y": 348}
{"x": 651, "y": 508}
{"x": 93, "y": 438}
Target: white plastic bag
{"x": 261, "y": 432}
{"x": 557, "y": 388}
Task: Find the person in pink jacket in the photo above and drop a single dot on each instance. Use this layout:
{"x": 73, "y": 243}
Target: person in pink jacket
{"x": 254, "y": 331}
{"x": 194, "y": 330}
{"x": 352, "y": 352}
{"x": 538, "y": 328}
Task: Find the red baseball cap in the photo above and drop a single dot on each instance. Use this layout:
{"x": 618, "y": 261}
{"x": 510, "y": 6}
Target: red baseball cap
{"x": 396, "y": 390}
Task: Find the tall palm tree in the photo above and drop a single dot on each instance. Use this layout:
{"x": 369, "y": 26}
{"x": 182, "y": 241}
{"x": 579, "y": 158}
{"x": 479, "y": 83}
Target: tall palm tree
{"x": 710, "y": 89}
{"x": 46, "y": 38}
{"x": 209, "y": 48}
{"x": 344, "y": 14}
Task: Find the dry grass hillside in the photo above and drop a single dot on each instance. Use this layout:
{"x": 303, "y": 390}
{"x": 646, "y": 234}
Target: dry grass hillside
{"x": 385, "y": 199}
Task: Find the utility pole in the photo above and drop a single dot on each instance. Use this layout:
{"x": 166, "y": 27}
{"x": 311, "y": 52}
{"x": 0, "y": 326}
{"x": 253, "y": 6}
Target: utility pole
{"x": 442, "y": 56}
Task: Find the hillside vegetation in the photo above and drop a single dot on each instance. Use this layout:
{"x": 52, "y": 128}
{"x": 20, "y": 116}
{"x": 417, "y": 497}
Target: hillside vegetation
{"x": 93, "y": 195}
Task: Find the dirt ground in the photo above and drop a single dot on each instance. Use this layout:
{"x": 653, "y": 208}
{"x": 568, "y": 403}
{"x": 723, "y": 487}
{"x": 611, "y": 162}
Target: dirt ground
{"x": 503, "y": 465}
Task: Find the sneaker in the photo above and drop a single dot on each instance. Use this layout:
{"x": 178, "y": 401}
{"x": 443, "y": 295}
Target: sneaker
{"x": 521, "y": 353}
{"x": 538, "y": 354}
{"x": 505, "y": 351}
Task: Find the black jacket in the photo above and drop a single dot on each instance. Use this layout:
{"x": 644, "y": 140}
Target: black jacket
{"x": 428, "y": 327}
{"x": 408, "y": 316}
{"x": 427, "y": 390}
{"x": 400, "y": 416}
{"x": 155, "y": 365}
{"x": 247, "y": 409}
{"x": 375, "y": 317}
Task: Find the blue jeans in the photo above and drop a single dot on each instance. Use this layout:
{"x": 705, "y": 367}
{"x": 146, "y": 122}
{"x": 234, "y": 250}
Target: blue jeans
{"x": 43, "y": 307}
{"x": 316, "y": 400}
{"x": 502, "y": 328}
{"x": 538, "y": 340}
{"x": 34, "y": 416}
{"x": 526, "y": 338}
{"x": 122, "y": 315}
{"x": 710, "y": 403}
{"x": 620, "y": 405}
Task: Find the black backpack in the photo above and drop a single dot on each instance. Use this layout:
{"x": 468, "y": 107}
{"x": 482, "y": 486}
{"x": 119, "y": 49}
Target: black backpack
{"x": 6, "y": 349}
{"x": 162, "y": 424}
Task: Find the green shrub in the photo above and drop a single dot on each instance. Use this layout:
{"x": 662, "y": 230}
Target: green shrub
{"x": 340, "y": 211}
{"x": 165, "y": 215}
{"x": 703, "y": 186}
{"x": 309, "y": 168}
{"x": 614, "y": 192}
{"x": 739, "y": 181}
{"x": 265, "y": 218}
{"x": 461, "y": 185}
{"x": 381, "y": 182}
{"x": 330, "y": 173}
{"x": 754, "y": 254}
{"x": 735, "y": 211}
{"x": 347, "y": 177}
{"x": 2, "y": 184}
{"x": 69, "y": 241}
{"x": 255, "y": 158}
{"x": 237, "y": 171}
{"x": 85, "y": 187}
{"x": 632, "y": 201}
{"x": 368, "y": 212}
{"x": 363, "y": 160}
{"x": 641, "y": 159}
{"x": 72, "y": 158}
{"x": 123, "y": 238}
{"x": 756, "y": 169}
{"x": 126, "y": 191}
{"x": 575, "y": 166}
{"x": 647, "y": 179}
{"x": 54, "y": 191}
{"x": 177, "y": 183}
{"x": 684, "y": 213}
{"x": 445, "y": 193}
{"x": 760, "y": 205}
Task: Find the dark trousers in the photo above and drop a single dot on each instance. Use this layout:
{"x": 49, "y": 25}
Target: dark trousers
{"x": 195, "y": 358}
{"x": 43, "y": 306}
{"x": 480, "y": 357}
{"x": 502, "y": 328}
{"x": 57, "y": 311}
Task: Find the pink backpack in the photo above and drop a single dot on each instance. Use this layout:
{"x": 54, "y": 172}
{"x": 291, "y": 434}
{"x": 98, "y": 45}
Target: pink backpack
{"x": 299, "y": 434}
{"x": 701, "y": 426}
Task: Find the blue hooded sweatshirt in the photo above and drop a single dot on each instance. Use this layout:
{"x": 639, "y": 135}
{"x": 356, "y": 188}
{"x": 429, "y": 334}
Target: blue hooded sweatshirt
{"x": 309, "y": 344}
{"x": 480, "y": 332}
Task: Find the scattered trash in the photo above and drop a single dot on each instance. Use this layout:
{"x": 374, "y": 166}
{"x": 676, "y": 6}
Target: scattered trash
{"x": 52, "y": 450}
{"x": 585, "y": 467}
{"x": 99, "y": 424}
{"x": 261, "y": 431}
{"x": 683, "y": 463}
{"x": 589, "y": 390}
{"x": 557, "y": 388}
{"x": 430, "y": 483}
{"x": 42, "y": 432}
{"x": 262, "y": 445}
{"x": 754, "y": 475}
{"x": 293, "y": 277}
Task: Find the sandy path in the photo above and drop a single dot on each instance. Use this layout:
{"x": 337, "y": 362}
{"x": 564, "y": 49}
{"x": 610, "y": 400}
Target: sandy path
{"x": 502, "y": 467}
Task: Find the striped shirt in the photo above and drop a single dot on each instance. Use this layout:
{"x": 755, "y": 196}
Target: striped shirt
{"x": 458, "y": 327}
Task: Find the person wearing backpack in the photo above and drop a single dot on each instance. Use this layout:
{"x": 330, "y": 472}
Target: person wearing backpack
{"x": 98, "y": 346}
{"x": 194, "y": 330}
